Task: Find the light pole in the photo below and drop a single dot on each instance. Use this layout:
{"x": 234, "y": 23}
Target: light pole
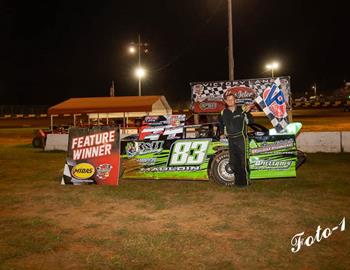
{"x": 272, "y": 66}
{"x": 140, "y": 72}
{"x": 314, "y": 87}
{"x": 230, "y": 41}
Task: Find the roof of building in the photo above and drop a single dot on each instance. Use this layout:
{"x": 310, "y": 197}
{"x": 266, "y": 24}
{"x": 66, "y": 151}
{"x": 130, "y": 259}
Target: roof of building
{"x": 110, "y": 104}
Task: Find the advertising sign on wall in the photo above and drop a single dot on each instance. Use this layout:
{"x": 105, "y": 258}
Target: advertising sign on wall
{"x": 272, "y": 95}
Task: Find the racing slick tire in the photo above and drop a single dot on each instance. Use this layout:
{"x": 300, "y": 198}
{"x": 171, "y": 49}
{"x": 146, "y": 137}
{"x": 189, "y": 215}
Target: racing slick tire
{"x": 301, "y": 158}
{"x": 220, "y": 171}
{"x": 38, "y": 142}
{"x": 121, "y": 170}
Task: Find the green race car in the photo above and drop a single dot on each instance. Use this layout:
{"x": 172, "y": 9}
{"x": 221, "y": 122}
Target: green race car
{"x": 195, "y": 152}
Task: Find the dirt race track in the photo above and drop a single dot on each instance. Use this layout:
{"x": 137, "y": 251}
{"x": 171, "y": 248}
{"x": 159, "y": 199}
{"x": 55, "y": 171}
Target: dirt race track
{"x": 333, "y": 119}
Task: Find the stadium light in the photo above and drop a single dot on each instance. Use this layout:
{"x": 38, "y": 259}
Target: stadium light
{"x": 132, "y": 49}
{"x": 272, "y": 66}
{"x": 140, "y": 73}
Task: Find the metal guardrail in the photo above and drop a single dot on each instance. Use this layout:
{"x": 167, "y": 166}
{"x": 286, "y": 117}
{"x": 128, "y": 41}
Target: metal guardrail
{"x": 318, "y": 104}
{"x": 23, "y": 109}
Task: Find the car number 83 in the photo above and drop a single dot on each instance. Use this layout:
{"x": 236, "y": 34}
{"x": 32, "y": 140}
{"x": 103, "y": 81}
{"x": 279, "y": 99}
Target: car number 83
{"x": 189, "y": 152}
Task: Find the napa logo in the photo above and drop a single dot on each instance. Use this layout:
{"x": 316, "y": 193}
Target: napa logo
{"x": 83, "y": 171}
{"x": 275, "y": 100}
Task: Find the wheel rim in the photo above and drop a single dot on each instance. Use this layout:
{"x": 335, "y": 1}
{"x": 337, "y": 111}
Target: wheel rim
{"x": 224, "y": 171}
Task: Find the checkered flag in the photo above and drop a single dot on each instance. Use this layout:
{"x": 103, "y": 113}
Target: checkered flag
{"x": 279, "y": 123}
{"x": 259, "y": 85}
{"x": 68, "y": 179}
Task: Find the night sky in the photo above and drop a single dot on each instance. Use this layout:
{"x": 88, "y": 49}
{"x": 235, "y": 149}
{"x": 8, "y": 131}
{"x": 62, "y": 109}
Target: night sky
{"x": 54, "y": 50}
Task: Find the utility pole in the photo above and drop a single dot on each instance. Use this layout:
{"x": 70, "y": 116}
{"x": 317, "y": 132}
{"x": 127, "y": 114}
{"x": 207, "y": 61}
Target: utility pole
{"x": 139, "y": 51}
{"x": 230, "y": 41}
{"x": 314, "y": 87}
{"x": 112, "y": 90}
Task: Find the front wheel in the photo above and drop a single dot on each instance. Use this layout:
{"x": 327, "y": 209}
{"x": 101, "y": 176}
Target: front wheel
{"x": 220, "y": 171}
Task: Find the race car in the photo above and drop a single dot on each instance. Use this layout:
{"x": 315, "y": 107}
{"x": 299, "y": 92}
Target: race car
{"x": 168, "y": 149}
{"x": 40, "y": 135}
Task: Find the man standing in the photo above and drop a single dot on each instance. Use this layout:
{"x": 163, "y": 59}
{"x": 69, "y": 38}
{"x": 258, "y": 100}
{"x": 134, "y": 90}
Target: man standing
{"x": 233, "y": 124}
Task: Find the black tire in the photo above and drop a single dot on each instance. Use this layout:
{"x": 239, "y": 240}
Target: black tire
{"x": 220, "y": 171}
{"x": 38, "y": 142}
{"x": 121, "y": 169}
{"x": 301, "y": 158}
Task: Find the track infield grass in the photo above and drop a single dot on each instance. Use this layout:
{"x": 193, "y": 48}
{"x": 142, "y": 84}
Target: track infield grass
{"x": 169, "y": 224}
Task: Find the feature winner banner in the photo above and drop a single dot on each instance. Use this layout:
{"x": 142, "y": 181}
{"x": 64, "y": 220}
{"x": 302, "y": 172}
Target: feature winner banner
{"x": 271, "y": 94}
{"x": 93, "y": 156}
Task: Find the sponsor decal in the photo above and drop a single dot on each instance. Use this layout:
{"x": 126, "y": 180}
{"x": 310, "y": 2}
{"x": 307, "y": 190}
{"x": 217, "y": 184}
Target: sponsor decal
{"x": 130, "y": 149}
{"x": 271, "y": 164}
{"x": 164, "y": 120}
{"x": 176, "y": 119}
{"x": 143, "y": 148}
{"x": 273, "y": 146}
{"x": 243, "y": 94}
{"x": 207, "y": 106}
{"x": 151, "y": 132}
{"x": 220, "y": 105}
{"x": 217, "y": 99}
{"x": 103, "y": 170}
{"x": 147, "y": 161}
{"x": 83, "y": 171}
{"x": 171, "y": 169}
{"x": 197, "y": 91}
{"x": 170, "y": 125}
{"x": 173, "y": 131}
{"x": 252, "y": 143}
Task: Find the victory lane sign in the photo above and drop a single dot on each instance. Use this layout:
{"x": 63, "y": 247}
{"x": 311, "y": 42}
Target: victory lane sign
{"x": 93, "y": 156}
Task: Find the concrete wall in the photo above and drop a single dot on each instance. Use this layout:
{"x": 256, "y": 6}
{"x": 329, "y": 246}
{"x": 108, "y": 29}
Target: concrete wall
{"x": 345, "y": 139}
{"x": 56, "y": 142}
{"x": 309, "y": 142}
{"x": 327, "y": 142}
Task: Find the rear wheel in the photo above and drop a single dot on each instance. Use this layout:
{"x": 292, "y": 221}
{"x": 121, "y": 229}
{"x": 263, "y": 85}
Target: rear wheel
{"x": 220, "y": 170}
{"x": 38, "y": 142}
{"x": 121, "y": 169}
{"x": 301, "y": 158}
